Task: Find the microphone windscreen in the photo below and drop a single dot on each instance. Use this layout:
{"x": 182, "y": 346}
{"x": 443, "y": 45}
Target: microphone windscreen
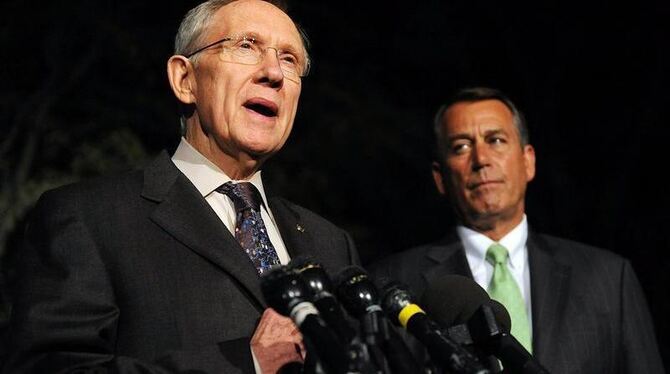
{"x": 314, "y": 275}
{"x": 501, "y": 314}
{"x": 300, "y": 262}
{"x": 452, "y": 299}
{"x": 348, "y": 274}
{"x": 355, "y": 291}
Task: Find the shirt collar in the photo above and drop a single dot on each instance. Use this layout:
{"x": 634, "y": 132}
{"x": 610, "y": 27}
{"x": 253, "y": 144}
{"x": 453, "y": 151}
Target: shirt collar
{"x": 476, "y": 244}
{"x": 205, "y": 176}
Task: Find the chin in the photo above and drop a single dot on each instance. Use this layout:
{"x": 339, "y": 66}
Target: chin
{"x": 261, "y": 152}
{"x": 260, "y": 145}
{"x": 481, "y": 207}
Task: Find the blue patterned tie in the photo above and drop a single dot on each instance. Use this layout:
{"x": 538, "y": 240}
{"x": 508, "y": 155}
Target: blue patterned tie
{"x": 250, "y": 231}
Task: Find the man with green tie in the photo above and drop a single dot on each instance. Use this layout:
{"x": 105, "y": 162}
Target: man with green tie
{"x": 576, "y": 308}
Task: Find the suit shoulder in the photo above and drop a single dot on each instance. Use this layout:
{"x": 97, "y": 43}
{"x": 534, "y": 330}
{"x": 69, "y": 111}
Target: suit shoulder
{"x": 115, "y": 187}
{"x": 576, "y": 253}
{"x": 101, "y": 189}
{"x": 405, "y": 255}
{"x": 405, "y": 261}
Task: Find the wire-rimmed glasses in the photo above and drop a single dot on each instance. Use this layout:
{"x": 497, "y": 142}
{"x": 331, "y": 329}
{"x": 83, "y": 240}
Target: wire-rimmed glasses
{"x": 247, "y": 50}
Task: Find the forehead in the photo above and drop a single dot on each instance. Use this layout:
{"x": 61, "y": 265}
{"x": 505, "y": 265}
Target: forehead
{"x": 485, "y": 114}
{"x": 257, "y": 17}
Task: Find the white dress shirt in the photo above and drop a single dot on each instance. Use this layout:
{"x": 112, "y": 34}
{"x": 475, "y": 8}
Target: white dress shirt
{"x": 207, "y": 177}
{"x": 476, "y": 245}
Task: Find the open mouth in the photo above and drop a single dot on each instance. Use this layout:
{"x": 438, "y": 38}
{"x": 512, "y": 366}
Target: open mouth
{"x": 263, "y": 107}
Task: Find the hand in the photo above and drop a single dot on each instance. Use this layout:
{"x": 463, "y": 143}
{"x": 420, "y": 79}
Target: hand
{"x": 276, "y": 342}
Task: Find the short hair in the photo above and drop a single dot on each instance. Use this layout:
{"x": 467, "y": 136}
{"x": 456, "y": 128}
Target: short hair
{"x": 192, "y": 27}
{"x": 473, "y": 94}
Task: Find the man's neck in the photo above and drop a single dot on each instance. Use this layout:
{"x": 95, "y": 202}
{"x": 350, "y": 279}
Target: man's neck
{"x": 238, "y": 167}
{"x": 495, "y": 229}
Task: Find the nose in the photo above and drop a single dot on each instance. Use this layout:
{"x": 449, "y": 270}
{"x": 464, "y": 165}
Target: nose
{"x": 480, "y": 156}
{"x": 270, "y": 72}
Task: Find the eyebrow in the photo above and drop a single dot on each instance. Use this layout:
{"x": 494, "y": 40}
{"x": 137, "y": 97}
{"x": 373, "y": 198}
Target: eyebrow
{"x": 248, "y": 34}
{"x": 468, "y": 136}
{"x": 461, "y": 136}
{"x": 285, "y": 47}
{"x": 495, "y": 131}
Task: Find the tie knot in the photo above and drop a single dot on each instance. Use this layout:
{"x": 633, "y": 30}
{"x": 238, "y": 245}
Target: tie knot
{"x": 497, "y": 254}
{"x": 244, "y": 195}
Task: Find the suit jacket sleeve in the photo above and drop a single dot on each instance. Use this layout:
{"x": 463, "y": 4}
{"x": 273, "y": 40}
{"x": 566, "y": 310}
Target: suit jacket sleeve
{"x": 65, "y": 316}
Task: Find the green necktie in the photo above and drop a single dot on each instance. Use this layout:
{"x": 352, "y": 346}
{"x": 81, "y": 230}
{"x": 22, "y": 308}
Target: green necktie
{"x": 503, "y": 288}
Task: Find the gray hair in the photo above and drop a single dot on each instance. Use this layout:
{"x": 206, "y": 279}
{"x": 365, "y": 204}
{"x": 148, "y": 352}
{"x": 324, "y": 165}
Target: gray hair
{"x": 191, "y": 29}
{"x": 196, "y": 21}
{"x": 473, "y": 94}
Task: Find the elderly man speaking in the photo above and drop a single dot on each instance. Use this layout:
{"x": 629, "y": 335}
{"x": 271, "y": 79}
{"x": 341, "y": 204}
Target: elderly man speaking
{"x": 159, "y": 270}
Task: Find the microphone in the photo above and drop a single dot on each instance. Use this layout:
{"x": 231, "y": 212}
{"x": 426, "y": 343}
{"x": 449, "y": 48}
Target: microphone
{"x": 475, "y": 318}
{"x": 321, "y": 289}
{"x": 288, "y": 294}
{"x": 360, "y": 298}
{"x": 398, "y": 305}
{"x": 452, "y": 299}
{"x": 501, "y": 315}
{"x": 489, "y": 327}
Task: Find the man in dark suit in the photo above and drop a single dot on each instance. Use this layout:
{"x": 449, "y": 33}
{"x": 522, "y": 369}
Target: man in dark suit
{"x": 158, "y": 270}
{"x": 579, "y": 309}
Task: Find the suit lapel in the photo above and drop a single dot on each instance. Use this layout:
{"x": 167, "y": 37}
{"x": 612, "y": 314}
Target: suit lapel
{"x": 296, "y": 236}
{"x": 549, "y": 282}
{"x": 183, "y": 213}
{"x": 448, "y": 256}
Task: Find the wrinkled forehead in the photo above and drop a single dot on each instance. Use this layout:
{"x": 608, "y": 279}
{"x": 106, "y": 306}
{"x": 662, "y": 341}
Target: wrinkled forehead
{"x": 488, "y": 113}
{"x": 258, "y": 18}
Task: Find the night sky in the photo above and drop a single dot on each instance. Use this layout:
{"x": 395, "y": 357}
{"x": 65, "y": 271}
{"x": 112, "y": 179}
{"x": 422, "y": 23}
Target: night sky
{"x": 590, "y": 77}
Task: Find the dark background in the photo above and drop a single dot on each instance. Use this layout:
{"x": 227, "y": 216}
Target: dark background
{"x": 84, "y": 92}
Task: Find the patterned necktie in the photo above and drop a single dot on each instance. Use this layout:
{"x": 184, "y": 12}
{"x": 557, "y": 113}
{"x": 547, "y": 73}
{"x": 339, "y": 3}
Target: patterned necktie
{"x": 250, "y": 231}
{"x": 504, "y": 289}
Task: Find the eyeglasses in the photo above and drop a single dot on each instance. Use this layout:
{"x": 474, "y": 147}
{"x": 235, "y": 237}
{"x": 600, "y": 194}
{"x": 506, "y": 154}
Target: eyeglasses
{"x": 249, "y": 51}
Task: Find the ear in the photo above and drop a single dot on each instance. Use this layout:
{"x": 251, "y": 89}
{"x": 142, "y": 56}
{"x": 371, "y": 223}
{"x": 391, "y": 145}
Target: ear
{"x": 181, "y": 75}
{"x": 438, "y": 177}
{"x": 529, "y": 161}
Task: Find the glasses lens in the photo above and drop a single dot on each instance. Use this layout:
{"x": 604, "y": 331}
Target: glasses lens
{"x": 247, "y": 52}
{"x": 241, "y": 52}
{"x": 290, "y": 71}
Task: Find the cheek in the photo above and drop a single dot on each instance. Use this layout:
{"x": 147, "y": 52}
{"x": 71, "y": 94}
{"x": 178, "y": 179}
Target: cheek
{"x": 458, "y": 172}
{"x": 291, "y": 106}
{"x": 214, "y": 96}
{"x": 521, "y": 175}
{"x": 456, "y": 186}
{"x": 292, "y": 103}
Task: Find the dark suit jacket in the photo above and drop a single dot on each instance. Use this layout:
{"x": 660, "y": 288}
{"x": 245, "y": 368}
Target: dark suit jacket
{"x": 589, "y": 312}
{"x": 138, "y": 274}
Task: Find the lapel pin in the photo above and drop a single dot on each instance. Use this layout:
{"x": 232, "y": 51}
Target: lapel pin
{"x": 299, "y": 228}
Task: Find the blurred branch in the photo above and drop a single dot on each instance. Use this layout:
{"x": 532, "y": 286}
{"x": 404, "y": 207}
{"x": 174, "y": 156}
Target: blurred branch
{"x": 32, "y": 119}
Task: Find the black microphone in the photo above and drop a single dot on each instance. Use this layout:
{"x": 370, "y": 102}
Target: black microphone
{"x": 452, "y": 299}
{"x": 398, "y": 305}
{"x": 460, "y": 304}
{"x": 361, "y": 299}
{"x": 321, "y": 288}
{"x": 489, "y": 329}
{"x": 286, "y": 292}
{"x": 501, "y": 316}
